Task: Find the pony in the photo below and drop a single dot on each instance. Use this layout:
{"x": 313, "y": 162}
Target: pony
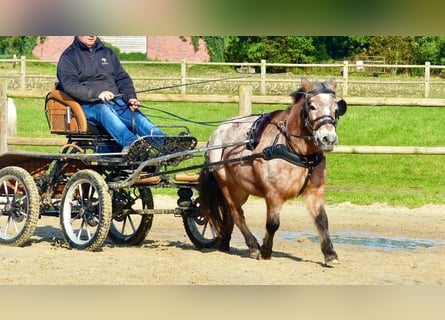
{"x": 284, "y": 158}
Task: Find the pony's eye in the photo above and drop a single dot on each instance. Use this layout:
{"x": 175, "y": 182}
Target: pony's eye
{"x": 312, "y": 107}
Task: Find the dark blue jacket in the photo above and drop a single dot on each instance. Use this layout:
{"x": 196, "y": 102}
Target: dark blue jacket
{"x": 84, "y": 74}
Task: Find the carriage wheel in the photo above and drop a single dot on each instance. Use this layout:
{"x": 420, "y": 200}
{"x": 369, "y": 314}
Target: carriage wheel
{"x": 85, "y": 210}
{"x": 199, "y": 230}
{"x": 127, "y": 226}
{"x": 19, "y": 206}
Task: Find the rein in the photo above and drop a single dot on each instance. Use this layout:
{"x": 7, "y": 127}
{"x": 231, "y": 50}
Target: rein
{"x": 204, "y": 123}
{"x": 192, "y": 83}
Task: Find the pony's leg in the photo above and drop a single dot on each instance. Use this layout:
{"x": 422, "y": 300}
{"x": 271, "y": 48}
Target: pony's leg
{"x": 316, "y": 208}
{"x": 226, "y": 232}
{"x": 272, "y": 225}
{"x": 240, "y": 221}
{"x": 235, "y": 200}
{"x": 251, "y": 241}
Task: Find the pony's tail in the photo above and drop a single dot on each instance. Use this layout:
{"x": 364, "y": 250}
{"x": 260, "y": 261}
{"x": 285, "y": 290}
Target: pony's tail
{"x": 212, "y": 203}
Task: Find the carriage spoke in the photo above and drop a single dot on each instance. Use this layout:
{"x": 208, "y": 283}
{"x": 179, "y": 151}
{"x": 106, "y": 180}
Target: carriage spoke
{"x": 87, "y": 229}
{"x": 14, "y": 223}
{"x": 5, "y": 187}
{"x": 23, "y": 214}
{"x": 11, "y": 223}
{"x": 90, "y": 193}
{"x": 7, "y": 224}
{"x": 81, "y": 201}
{"x": 21, "y": 198}
{"x": 133, "y": 228}
{"x": 204, "y": 229}
{"x": 79, "y": 232}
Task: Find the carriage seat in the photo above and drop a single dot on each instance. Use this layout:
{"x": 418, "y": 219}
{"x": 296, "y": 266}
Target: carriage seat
{"x": 65, "y": 116}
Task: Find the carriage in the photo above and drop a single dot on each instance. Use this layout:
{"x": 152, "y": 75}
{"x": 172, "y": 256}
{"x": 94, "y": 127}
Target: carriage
{"x": 95, "y": 189}
{"x": 99, "y": 191}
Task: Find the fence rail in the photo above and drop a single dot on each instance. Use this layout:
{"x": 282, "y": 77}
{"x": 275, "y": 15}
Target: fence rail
{"x": 354, "y": 79}
{"x": 245, "y": 99}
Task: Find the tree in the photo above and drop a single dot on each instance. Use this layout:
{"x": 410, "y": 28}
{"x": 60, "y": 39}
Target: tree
{"x": 430, "y": 49}
{"x": 336, "y": 48}
{"x": 395, "y": 49}
{"x": 215, "y": 46}
{"x": 276, "y": 49}
{"x": 19, "y": 45}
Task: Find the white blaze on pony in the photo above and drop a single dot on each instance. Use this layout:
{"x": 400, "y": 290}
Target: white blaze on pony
{"x": 284, "y": 160}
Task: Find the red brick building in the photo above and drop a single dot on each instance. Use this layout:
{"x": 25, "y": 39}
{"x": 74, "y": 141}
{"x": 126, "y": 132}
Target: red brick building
{"x": 163, "y": 48}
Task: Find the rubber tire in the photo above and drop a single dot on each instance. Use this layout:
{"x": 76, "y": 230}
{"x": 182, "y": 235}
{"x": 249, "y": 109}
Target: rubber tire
{"x": 32, "y": 198}
{"x": 198, "y": 237}
{"x": 140, "y": 233}
{"x": 89, "y": 178}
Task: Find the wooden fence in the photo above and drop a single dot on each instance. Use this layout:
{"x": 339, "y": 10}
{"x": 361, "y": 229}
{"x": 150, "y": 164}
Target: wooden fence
{"x": 245, "y": 99}
{"x": 267, "y": 83}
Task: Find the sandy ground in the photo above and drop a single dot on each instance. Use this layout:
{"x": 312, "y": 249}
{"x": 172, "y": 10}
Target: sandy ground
{"x": 167, "y": 257}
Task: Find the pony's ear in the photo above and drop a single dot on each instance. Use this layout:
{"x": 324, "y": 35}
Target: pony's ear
{"x": 333, "y": 83}
{"x": 306, "y": 84}
{"x": 341, "y": 107}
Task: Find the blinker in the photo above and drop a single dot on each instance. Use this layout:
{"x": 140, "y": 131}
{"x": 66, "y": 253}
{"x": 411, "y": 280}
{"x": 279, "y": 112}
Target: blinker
{"x": 342, "y": 106}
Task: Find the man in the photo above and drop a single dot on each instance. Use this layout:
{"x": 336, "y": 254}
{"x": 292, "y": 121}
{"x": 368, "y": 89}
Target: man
{"x": 92, "y": 74}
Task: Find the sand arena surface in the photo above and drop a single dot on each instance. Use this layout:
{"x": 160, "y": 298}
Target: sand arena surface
{"x": 167, "y": 257}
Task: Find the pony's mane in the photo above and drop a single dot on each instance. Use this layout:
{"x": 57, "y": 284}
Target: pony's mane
{"x": 319, "y": 87}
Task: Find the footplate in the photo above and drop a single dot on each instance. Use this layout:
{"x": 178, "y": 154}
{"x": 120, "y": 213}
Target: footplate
{"x": 150, "y": 147}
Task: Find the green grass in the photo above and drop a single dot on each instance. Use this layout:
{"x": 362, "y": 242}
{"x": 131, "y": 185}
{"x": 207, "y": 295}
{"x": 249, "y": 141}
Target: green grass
{"x": 399, "y": 180}
{"x": 405, "y": 180}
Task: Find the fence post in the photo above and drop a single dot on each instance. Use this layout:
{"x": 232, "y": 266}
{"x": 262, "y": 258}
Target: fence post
{"x": 22, "y": 72}
{"x": 345, "y": 77}
{"x": 245, "y": 100}
{"x": 3, "y": 117}
{"x": 263, "y": 78}
{"x": 183, "y": 76}
{"x": 427, "y": 79}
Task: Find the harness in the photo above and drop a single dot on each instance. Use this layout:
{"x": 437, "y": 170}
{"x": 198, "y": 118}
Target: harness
{"x": 281, "y": 151}
{"x": 287, "y": 152}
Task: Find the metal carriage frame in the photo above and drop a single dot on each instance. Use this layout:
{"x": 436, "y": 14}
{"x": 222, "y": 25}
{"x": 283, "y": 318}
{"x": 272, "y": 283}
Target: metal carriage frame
{"x": 95, "y": 189}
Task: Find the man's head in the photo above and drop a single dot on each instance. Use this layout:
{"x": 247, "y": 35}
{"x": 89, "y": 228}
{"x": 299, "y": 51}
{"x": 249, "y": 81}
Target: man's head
{"x": 89, "y": 41}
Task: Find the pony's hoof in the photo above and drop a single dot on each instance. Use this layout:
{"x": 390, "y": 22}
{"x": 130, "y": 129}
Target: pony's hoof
{"x": 331, "y": 262}
{"x": 255, "y": 254}
{"x": 225, "y": 249}
{"x": 266, "y": 254}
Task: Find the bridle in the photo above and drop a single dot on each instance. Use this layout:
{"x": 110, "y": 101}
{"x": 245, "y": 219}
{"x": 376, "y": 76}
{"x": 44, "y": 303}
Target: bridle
{"x": 317, "y": 123}
{"x": 322, "y": 120}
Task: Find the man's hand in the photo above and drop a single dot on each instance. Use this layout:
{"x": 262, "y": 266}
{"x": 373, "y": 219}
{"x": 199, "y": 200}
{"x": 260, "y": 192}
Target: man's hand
{"x": 133, "y": 104}
{"x": 106, "y": 96}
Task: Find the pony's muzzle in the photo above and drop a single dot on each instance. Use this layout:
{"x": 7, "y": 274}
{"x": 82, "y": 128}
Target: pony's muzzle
{"x": 327, "y": 140}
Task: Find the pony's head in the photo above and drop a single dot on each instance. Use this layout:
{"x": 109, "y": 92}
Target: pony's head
{"x": 320, "y": 111}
